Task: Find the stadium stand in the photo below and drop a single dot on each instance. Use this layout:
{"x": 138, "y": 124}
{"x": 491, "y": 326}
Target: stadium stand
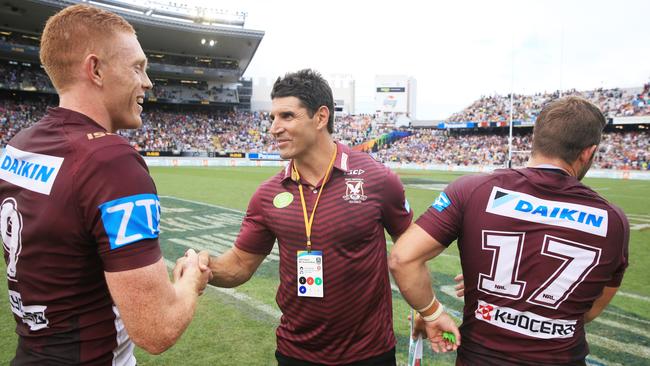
{"x": 615, "y": 102}
{"x": 204, "y": 130}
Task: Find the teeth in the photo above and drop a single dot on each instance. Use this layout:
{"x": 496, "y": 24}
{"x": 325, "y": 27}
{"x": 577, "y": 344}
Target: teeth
{"x": 140, "y": 100}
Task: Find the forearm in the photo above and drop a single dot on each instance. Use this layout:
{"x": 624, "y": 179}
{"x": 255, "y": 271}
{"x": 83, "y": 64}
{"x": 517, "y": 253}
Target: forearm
{"x": 414, "y": 283}
{"x": 228, "y": 270}
{"x": 600, "y": 304}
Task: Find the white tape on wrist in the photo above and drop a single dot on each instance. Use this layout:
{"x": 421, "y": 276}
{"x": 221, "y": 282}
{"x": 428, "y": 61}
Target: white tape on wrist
{"x": 428, "y": 306}
{"x": 433, "y": 317}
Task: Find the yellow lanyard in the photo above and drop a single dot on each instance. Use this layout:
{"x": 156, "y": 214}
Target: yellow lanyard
{"x": 309, "y": 221}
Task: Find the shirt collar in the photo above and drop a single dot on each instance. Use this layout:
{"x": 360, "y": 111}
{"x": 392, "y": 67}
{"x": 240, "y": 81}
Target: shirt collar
{"x": 342, "y": 161}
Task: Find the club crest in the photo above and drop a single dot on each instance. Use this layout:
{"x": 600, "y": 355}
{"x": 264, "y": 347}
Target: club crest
{"x": 354, "y": 190}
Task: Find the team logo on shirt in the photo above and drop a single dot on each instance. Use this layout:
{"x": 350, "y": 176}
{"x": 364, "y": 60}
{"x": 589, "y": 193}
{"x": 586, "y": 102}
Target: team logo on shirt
{"x": 130, "y": 219}
{"x": 354, "y": 190}
{"x": 485, "y": 311}
{"x": 28, "y": 170}
{"x": 525, "y": 207}
{"x": 441, "y": 202}
{"x": 524, "y": 322}
{"x": 32, "y": 315}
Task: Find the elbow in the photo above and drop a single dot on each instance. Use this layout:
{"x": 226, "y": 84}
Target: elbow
{"x": 395, "y": 262}
{"x": 156, "y": 343}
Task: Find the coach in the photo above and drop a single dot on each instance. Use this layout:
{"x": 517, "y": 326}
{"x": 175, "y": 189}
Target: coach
{"x": 328, "y": 209}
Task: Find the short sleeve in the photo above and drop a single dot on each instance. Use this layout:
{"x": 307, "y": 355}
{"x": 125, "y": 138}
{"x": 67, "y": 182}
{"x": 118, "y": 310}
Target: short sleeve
{"x": 255, "y": 236}
{"x": 624, "y": 235}
{"x": 444, "y": 218}
{"x": 396, "y": 211}
{"x": 120, "y": 207}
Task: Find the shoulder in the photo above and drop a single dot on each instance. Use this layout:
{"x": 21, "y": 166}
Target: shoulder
{"x": 472, "y": 181}
{"x": 269, "y": 187}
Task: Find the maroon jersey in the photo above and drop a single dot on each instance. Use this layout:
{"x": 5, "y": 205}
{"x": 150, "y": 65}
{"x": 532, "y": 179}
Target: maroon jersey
{"x": 536, "y": 247}
{"x": 353, "y": 321}
{"x": 76, "y": 201}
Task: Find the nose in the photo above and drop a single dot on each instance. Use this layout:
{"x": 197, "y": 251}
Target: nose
{"x": 275, "y": 128}
{"x": 147, "y": 84}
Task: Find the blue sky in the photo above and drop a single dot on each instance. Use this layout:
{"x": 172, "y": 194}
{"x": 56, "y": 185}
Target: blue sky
{"x": 457, "y": 50}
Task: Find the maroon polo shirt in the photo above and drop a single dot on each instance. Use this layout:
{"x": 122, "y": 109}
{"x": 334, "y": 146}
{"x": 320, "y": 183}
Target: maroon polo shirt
{"x": 353, "y": 321}
{"x": 74, "y": 204}
{"x": 536, "y": 247}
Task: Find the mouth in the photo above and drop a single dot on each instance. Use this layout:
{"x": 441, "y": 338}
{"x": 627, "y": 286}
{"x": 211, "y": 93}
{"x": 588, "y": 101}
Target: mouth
{"x": 139, "y": 100}
{"x": 282, "y": 142}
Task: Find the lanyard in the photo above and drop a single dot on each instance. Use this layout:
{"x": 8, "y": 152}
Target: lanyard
{"x": 310, "y": 220}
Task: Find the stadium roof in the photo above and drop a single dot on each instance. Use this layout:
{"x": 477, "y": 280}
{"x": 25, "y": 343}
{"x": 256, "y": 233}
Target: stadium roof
{"x": 158, "y": 30}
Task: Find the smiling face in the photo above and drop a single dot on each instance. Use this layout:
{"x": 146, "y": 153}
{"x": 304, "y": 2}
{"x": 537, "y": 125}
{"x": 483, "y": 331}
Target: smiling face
{"x": 125, "y": 82}
{"x": 295, "y": 131}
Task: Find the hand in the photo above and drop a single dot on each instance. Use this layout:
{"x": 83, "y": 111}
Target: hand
{"x": 435, "y": 329}
{"x": 460, "y": 286}
{"x": 419, "y": 328}
{"x": 194, "y": 267}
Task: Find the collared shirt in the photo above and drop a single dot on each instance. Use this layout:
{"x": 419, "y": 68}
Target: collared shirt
{"x": 353, "y": 321}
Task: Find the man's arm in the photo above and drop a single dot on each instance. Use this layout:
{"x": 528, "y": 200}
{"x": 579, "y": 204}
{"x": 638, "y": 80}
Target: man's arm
{"x": 156, "y": 312}
{"x": 600, "y": 304}
{"x": 232, "y": 268}
{"x": 407, "y": 263}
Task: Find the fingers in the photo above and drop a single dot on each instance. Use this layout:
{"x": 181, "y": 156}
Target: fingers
{"x": 435, "y": 334}
{"x": 177, "y": 272}
{"x": 204, "y": 260}
{"x": 460, "y": 287}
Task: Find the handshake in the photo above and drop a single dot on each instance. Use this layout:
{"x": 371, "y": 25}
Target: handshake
{"x": 193, "y": 270}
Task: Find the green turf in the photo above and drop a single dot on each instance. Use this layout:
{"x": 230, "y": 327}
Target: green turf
{"x": 227, "y": 331}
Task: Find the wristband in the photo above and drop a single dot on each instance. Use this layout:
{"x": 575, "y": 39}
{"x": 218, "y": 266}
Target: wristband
{"x": 436, "y": 314}
{"x": 433, "y": 301}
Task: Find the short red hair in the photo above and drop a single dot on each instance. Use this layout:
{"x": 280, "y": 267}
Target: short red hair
{"x": 71, "y": 34}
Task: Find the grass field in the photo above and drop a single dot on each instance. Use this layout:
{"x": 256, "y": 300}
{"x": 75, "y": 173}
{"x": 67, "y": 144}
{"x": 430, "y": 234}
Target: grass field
{"x": 202, "y": 208}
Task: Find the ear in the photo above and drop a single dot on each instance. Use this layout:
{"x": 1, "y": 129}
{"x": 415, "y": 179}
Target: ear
{"x": 587, "y": 153}
{"x": 92, "y": 70}
{"x": 323, "y": 116}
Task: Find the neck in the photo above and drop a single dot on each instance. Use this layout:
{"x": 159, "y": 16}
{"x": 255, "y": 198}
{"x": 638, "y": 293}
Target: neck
{"x": 313, "y": 165}
{"x": 541, "y": 160}
{"x": 86, "y": 104}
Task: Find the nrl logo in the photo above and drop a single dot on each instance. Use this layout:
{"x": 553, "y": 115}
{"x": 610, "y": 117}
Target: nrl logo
{"x": 354, "y": 191}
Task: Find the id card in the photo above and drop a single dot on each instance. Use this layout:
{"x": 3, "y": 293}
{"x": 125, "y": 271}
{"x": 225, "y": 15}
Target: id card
{"x": 310, "y": 273}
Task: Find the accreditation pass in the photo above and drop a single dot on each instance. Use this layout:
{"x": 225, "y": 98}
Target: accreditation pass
{"x": 310, "y": 273}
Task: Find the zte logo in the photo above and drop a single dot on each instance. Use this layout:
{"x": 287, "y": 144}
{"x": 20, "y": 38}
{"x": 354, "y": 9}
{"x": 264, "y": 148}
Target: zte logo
{"x": 130, "y": 219}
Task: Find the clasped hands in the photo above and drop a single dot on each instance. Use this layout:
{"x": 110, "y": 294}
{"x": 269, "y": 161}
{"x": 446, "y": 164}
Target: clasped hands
{"x": 194, "y": 267}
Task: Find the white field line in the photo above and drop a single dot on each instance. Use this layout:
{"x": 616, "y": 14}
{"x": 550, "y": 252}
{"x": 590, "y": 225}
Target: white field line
{"x": 269, "y": 310}
{"x": 638, "y": 320}
{"x": 629, "y": 348}
{"x": 595, "y": 361}
{"x": 633, "y": 296}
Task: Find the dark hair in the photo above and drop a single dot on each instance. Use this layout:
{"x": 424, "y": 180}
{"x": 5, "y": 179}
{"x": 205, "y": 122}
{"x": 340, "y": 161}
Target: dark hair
{"x": 567, "y": 126}
{"x": 312, "y": 90}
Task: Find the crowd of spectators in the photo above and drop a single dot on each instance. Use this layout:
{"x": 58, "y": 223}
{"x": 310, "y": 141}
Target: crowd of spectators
{"x": 197, "y": 92}
{"x": 615, "y": 102}
{"x": 202, "y": 130}
{"x": 24, "y": 77}
{"x": 429, "y": 146}
{"x": 617, "y": 150}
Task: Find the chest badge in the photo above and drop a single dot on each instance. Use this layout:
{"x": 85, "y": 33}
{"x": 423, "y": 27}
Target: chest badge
{"x": 282, "y": 200}
{"x": 354, "y": 190}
